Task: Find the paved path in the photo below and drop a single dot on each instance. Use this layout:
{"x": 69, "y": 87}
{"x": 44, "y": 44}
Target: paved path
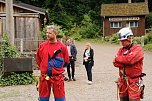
{"x": 104, "y": 75}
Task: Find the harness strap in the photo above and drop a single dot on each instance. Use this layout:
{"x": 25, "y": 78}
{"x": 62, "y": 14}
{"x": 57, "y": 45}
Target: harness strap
{"x": 128, "y": 86}
{"x": 51, "y": 60}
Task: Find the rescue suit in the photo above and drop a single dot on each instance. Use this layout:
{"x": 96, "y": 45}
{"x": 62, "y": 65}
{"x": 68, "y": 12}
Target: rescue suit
{"x": 51, "y": 58}
{"x": 130, "y": 61}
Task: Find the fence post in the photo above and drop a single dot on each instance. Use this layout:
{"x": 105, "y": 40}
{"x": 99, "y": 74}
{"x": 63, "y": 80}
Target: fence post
{"x": 21, "y": 46}
{"x": 142, "y": 41}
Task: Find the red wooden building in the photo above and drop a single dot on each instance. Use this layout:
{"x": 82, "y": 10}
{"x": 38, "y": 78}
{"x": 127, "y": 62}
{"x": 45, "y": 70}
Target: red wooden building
{"x": 119, "y": 15}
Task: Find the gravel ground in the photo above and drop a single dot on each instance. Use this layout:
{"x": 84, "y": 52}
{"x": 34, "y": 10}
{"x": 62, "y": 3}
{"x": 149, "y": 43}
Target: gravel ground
{"x": 104, "y": 75}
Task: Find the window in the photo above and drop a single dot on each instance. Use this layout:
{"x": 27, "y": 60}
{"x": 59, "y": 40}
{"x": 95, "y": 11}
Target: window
{"x": 133, "y": 24}
{"x": 115, "y": 24}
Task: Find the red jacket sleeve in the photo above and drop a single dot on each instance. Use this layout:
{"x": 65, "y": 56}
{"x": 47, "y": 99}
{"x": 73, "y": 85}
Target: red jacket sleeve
{"x": 115, "y": 63}
{"x": 131, "y": 58}
{"x": 38, "y": 59}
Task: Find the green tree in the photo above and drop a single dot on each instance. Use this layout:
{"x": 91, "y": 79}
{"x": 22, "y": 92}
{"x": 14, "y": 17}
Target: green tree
{"x": 88, "y": 28}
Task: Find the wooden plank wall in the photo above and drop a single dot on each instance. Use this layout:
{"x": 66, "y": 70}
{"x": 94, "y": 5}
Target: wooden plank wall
{"x": 28, "y": 29}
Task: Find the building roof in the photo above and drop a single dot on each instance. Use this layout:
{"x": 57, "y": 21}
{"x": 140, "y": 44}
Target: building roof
{"x": 27, "y": 7}
{"x": 124, "y": 9}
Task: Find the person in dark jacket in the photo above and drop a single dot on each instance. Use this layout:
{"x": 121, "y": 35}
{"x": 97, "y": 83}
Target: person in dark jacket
{"x": 88, "y": 61}
{"x": 72, "y": 56}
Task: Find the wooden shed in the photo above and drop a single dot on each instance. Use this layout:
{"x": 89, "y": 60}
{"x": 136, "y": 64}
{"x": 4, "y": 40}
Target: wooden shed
{"x": 28, "y": 22}
{"x": 119, "y": 15}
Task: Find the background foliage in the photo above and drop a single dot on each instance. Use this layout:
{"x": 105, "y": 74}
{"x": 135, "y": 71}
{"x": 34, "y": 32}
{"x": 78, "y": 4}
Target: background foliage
{"x": 82, "y": 18}
{"x": 66, "y": 13}
{"x": 9, "y": 51}
{"x": 17, "y": 79}
{"x": 6, "y": 51}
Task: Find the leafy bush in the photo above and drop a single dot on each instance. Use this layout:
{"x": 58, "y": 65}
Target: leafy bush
{"x": 148, "y": 38}
{"x": 137, "y": 40}
{"x": 74, "y": 32}
{"x": 9, "y": 51}
{"x": 114, "y": 39}
{"x": 6, "y": 51}
{"x": 17, "y": 79}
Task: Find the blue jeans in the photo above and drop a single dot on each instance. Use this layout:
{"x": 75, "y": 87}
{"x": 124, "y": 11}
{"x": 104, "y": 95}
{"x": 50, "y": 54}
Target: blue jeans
{"x": 88, "y": 67}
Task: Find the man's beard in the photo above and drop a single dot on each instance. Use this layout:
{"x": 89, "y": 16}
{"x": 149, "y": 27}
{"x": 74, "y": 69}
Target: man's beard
{"x": 50, "y": 38}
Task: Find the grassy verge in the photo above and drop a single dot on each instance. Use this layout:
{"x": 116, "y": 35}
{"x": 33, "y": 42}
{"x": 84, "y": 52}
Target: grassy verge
{"x": 96, "y": 41}
{"x": 148, "y": 47}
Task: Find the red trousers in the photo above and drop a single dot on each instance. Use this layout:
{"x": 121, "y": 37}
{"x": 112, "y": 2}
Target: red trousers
{"x": 57, "y": 85}
{"x": 129, "y": 88}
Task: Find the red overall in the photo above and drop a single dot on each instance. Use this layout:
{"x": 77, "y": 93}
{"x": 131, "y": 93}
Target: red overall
{"x": 52, "y": 70}
{"x": 130, "y": 62}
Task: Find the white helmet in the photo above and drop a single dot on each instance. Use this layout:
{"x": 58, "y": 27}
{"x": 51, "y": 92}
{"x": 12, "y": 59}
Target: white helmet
{"x": 124, "y": 33}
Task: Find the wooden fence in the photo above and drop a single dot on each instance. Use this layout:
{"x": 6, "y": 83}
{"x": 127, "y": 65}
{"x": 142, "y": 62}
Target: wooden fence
{"x": 27, "y": 45}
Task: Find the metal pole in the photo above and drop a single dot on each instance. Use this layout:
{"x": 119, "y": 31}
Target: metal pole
{"x": 129, "y": 1}
{"x": 9, "y": 20}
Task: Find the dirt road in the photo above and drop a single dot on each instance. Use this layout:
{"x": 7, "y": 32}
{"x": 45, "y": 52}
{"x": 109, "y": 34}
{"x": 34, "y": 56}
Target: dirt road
{"x": 104, "y": 75}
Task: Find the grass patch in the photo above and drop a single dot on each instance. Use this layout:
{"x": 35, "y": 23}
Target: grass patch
{"x": 96, "y": 41}
{"x": 148, "y": 47}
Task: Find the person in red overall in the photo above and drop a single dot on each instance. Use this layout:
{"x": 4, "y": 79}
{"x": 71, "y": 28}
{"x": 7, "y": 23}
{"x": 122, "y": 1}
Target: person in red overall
{"x": 129, "y": 60}
{"x": 52, "y": 56}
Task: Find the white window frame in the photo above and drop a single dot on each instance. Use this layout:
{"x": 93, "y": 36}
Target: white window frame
{"x": 134, "y": 24}
{"x": 115, "y": 24}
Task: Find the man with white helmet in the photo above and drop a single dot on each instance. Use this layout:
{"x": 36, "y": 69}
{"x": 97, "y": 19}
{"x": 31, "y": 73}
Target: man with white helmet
{"x": 129, "y": 60}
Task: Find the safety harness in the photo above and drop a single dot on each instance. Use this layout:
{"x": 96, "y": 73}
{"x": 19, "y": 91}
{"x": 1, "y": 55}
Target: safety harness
{"x": 141, "y": 85}
{"x": 51, "y": 62}
{"x": 125, "y": 79}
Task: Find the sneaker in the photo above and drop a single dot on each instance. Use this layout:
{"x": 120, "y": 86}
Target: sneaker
{"x": 65, "y": 79}
{"x": 74, "y": 79}
{"x": 89, "y": 82}
{"x": 69, "y": 80}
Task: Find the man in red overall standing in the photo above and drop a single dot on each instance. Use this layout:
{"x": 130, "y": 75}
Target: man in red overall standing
{"x": 52, "y": 56}
{"x": 129, "y": 60}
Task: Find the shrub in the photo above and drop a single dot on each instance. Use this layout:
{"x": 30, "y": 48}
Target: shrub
{"x": 6, "y": 51}
{"x": 148, "y": 47}
{"x": 17, "y": 79}
{"x": 137, "y": 40}
{"x": 114, "y": 39}
{"x": 148, "y": 38}
{"x": 9, "y": 51}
